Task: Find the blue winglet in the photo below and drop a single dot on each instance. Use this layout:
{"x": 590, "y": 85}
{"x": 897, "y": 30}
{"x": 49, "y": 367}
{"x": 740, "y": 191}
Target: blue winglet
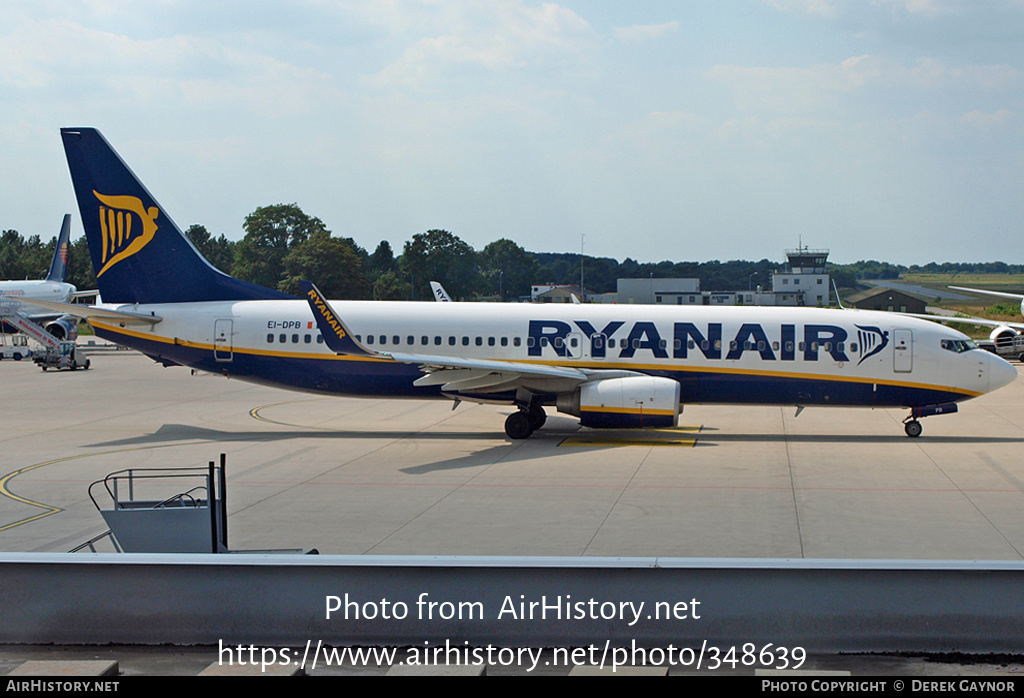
{"x": 336, "y": 335}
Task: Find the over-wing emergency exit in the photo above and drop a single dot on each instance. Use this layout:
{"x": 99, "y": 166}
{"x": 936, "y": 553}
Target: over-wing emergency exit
{"x": 609, "y": 365}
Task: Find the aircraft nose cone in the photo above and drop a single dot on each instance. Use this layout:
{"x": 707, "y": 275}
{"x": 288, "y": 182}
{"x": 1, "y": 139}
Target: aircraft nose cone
{"x": 1000, "y": 372}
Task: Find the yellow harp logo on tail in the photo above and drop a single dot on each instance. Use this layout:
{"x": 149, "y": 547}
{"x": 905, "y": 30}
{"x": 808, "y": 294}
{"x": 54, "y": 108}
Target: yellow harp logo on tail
{"x": 122, "y": 234}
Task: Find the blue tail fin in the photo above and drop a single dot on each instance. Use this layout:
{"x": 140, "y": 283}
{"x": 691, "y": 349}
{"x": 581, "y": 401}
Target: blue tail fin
{"x": 138, "y": 253}
{"x": 59, "y": 265}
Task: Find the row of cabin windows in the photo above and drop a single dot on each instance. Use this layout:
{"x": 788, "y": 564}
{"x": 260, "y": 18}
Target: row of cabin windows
{"x": 705, "y": 345}
{"x": 409, "y": 340}
{"x": 305, "y": 339}
{"x": 558, "y": 342}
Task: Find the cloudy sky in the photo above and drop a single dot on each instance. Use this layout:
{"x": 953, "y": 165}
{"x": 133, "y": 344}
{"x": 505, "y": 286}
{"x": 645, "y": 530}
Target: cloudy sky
{"x": 682, "y": 130}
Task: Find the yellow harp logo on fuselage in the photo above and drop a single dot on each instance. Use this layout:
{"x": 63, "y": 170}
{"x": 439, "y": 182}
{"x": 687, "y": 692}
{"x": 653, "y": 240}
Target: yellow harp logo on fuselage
{"x": 121, "y": 236}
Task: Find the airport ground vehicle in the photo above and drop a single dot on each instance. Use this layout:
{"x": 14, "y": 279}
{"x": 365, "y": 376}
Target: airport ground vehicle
{"x": 14, "y": 346}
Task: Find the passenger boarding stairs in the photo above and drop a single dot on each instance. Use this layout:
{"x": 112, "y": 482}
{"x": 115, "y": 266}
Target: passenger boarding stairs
{"x": 10, "y": 314}
{"x": 193, "y": 519}
{"x": 166, "y": 510}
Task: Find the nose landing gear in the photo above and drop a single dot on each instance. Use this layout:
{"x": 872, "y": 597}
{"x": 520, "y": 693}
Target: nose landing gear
{"x": 913, "y": 427}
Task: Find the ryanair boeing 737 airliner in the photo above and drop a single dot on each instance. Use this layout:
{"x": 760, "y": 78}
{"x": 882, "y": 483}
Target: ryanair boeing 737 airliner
{"x": 609, "y": 365}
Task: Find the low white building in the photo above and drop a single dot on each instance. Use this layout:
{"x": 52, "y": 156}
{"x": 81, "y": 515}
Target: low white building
{"x": 663, "y": 291}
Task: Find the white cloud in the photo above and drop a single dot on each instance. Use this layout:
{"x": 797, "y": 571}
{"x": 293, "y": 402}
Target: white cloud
{"x": 987, "y": 122}
{"x": 645, "y": 32}
{"x": 927, "y": 8}
{"x": 820, "y": 8}
{"x": 508, "y": 34}
{"x": 795, "y": 89}
{"x": 75, "y": 60}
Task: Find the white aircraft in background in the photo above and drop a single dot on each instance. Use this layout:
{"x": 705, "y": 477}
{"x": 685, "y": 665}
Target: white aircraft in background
{"x": 609, "y": 365}
{"x": 19, "y": 296}
{"x": 1007, "y": 339}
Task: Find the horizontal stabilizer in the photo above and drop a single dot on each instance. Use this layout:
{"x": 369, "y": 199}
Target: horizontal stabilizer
{"x": 90, "y": 312}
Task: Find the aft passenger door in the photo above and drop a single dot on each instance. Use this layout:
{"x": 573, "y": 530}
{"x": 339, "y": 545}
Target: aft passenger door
{"x": 902, "y": 351}
{"x": 222, "y": 344}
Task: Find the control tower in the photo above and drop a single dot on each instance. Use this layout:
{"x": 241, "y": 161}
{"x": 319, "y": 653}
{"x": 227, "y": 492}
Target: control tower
{"x": 804, "y": 281}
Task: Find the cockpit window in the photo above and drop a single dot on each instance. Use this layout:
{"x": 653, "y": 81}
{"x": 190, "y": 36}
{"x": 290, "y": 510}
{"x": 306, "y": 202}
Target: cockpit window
{"x": 959, "y": 346}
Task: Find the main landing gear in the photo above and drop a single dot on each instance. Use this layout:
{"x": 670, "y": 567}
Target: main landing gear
{"x": 519, "y": 425}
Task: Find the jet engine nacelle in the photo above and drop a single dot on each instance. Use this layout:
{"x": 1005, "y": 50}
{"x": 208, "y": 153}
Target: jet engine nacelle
{"x": 634, "y": 401}
{"x": 63, "y": 329}
{"x": 1003, "y": 336}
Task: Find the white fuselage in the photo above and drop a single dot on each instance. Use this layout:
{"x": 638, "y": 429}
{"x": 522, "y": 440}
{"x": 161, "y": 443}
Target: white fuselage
{"x": 736, "y": 354}
{"x": 24, "y": 292}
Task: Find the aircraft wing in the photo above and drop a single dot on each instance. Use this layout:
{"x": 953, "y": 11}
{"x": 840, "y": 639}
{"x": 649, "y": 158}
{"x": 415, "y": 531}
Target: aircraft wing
{"x": 91, "y": 311}
{"x": 979, "y": 320}
{"x": 1001, "y": 294}
{"x": 454, "y": 373}
{"x": 969, "y": 320}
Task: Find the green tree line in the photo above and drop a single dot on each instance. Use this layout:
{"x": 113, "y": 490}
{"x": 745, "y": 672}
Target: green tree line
{"x": 282, "y": 245}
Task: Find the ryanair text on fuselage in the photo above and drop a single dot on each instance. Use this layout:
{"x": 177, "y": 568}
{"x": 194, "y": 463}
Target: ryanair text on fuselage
{"x": 687, "y": 337}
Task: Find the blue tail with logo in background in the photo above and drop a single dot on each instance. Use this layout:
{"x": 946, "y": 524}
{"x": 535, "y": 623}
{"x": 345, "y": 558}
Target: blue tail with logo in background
{"x": 59, "y": 265}
{"x": 138, "y": 253}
